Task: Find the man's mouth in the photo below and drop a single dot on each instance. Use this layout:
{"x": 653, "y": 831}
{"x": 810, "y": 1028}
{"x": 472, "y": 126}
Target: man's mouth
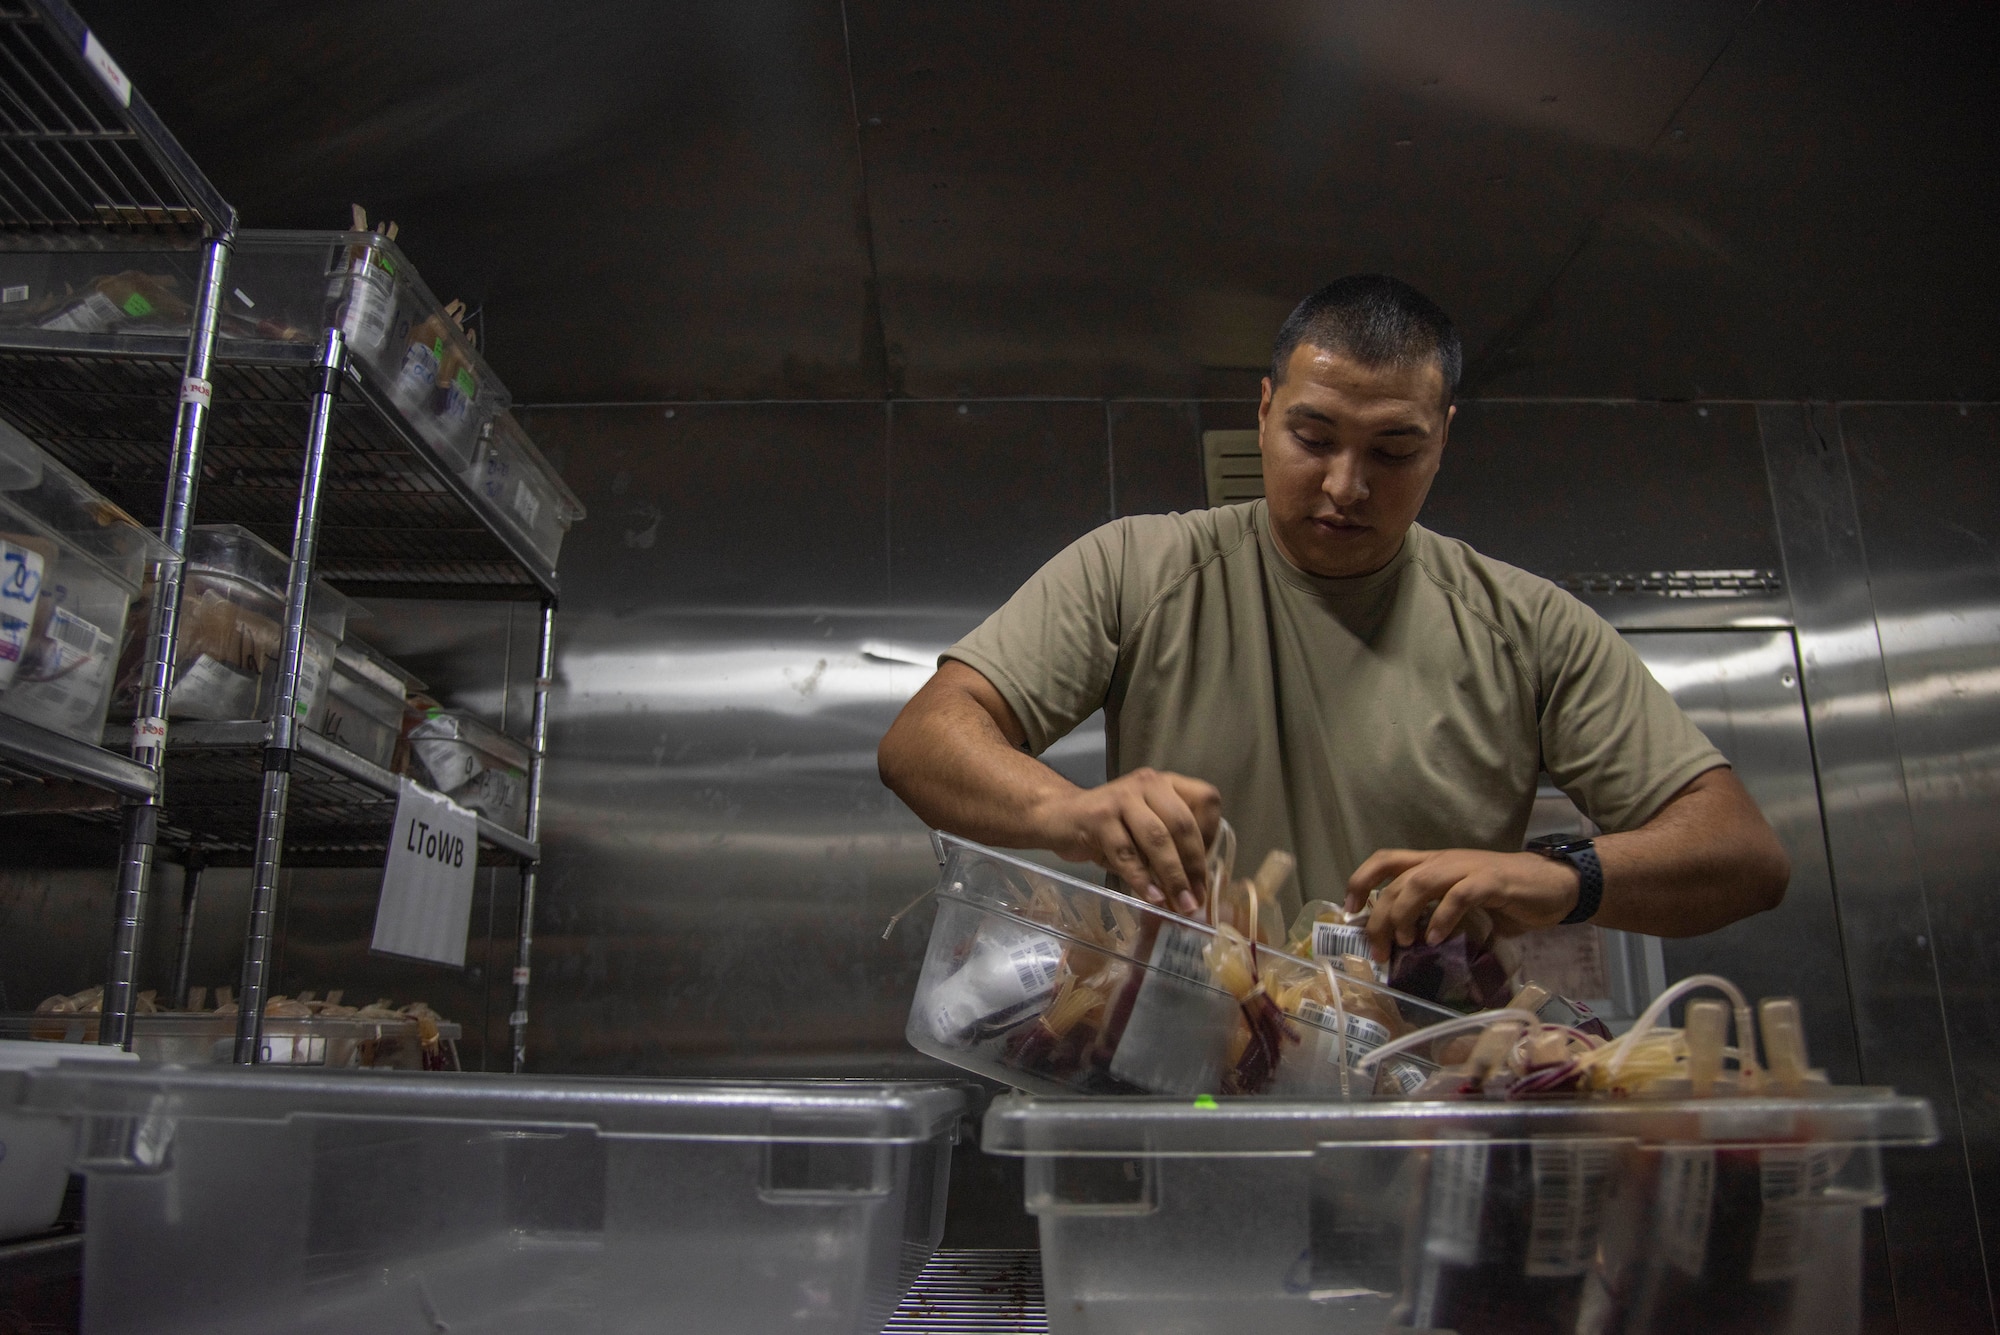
{"x": 1342, "y": 527}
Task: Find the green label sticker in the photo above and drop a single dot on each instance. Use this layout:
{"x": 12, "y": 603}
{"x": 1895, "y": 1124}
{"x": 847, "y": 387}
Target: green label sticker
{"x": 137, "y": 306}
{"x": 467, "y": 383}
{"x": 1206, "y": 1101}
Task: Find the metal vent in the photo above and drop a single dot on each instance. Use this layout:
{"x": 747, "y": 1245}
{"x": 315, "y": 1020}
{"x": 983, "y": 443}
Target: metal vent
{"x": 1234, "y": 469}
{"x": 1676, "y": 583}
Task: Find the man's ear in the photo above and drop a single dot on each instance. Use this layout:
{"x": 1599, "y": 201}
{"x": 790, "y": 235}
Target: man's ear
{"x": 1264, "y": 404}
{"x": 1444, "y": 435}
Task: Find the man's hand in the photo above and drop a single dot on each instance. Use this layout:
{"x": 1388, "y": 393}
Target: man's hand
{"x": 1522, "y": 891}
{"x": 956, "y": 756}
{"x": 1703, "y": 860}
{"x": 1149, "y": 828}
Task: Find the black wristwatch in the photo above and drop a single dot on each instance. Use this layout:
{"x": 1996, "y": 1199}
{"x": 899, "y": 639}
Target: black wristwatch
{"x": 1582, "y": 855}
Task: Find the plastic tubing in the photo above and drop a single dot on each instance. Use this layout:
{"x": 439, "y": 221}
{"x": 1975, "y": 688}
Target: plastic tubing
{"x": 1340, "y": 1023}
{"x": 1746, "y": 1033}
{"x": 1463, "y": 1024}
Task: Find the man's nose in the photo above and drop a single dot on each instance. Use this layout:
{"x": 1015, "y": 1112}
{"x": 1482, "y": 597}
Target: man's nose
{"x": 1344, "y": 484}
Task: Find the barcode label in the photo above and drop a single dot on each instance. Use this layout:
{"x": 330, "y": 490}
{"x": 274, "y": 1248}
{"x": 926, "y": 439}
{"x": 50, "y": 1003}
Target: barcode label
{"x": 1178, "y": 951}
{"x": 1457, "y": 1191}
{"x": 1405, "y": 1076}
{"x": 1035, "y": 964}
{"x": 1363, "y": 1034}
{"x": 73, "y": 632}
{"x": 1687, "y": 1198}
{"x": 1569, "y": 1206}
{"x": 1331, "y": 940}
{"x": 1785, "y": 1176}
{"x": 14, "y": 293}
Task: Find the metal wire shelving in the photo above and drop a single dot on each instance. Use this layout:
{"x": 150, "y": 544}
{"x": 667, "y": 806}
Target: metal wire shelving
{"x": 287, "y": 438}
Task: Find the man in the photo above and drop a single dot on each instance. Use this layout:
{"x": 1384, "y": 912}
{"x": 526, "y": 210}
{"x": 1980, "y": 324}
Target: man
{"x": 1371, "y": 697}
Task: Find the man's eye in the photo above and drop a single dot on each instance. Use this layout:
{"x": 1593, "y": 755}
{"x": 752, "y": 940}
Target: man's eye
{"x": 1396, "y": 456}
{"x": 1310, "y": 442}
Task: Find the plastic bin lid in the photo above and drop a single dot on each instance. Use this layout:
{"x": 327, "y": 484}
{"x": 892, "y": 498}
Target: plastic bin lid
{"x": 805, "y": 1110}
{"x": 1022, "y": 1124}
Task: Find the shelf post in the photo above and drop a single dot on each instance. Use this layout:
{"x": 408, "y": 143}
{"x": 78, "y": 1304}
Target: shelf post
{"x": 530, "y": 871}
{"x": 282, "y": 744}
{"x": 191, "y": 872}
{"x": 140, "y": 819}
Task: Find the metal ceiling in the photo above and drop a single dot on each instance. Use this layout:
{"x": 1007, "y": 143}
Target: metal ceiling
{"x": 755, "y": 198}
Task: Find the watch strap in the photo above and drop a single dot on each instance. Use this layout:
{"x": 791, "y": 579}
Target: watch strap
{"x": 1590, "y": 880}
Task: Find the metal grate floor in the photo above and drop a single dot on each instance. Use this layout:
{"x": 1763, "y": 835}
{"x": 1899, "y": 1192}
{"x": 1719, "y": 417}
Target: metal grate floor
{"x": 974, "y": 1291}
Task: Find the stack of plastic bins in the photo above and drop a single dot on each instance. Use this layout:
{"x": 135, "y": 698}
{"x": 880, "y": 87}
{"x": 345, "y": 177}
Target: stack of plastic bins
{"x": 1045, "y": 982}
{"x": 232, "y": 628}
{"x": 70, "y": 565}
{"x": 254, "y": 1200}
{"x": 518, "y": 488}
{"x": 366, "y": 703}
{"x": 409, "y": 351}
{"x": 475, "y": 765}
{"x": 1741, "y": 1215}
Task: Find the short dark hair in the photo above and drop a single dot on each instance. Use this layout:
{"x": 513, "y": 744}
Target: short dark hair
{"x": 1378, "y": 321}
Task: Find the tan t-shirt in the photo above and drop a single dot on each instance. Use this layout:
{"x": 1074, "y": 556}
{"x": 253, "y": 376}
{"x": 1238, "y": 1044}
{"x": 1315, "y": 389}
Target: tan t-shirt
{"x": 1410, "y": 708}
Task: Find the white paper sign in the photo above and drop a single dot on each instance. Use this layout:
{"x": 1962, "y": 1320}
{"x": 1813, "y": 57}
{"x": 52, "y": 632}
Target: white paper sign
{"x": 426, "y": 902}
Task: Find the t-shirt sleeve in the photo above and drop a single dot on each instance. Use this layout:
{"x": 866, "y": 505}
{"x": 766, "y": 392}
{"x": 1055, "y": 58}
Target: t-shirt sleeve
{"x": 1612, "y": 737}
{"x": 1052, "y": 648}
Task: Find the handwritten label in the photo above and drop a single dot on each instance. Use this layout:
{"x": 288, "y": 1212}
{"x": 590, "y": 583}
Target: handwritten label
{"x": 426, "y": 901}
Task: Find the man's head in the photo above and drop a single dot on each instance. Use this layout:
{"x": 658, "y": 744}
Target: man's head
{"x": 1353, "y": 421}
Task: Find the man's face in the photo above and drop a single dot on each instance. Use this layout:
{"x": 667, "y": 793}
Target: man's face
{"x": 1349, "y": 454}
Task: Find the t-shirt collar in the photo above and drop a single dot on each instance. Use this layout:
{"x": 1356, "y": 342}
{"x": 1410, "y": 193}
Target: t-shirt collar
{"x": 1322, "y": 585}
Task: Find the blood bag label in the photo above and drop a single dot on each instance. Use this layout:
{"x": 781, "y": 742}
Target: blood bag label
{"x": 1687, "y": 1196}
{"x": 1785, "y": 1177}
{"x": 1009, "y": 967}
{"x": 1332, "y": 940}
{"x": 1457, "y": 1191}
{"x": 1363, "y": 1034}
{"x": 1569, "y": 1206}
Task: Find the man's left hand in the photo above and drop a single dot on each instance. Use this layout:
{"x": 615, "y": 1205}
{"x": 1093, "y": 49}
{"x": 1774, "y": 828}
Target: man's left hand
{"x": 1522, "y": 891}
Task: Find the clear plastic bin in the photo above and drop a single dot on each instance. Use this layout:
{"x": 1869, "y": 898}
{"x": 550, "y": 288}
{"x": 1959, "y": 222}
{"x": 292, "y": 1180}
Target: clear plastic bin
{"x": 232, "y": 628}
{"x": 475, "y": 765}
{"x": 70, "y": 565}
{"x": 360, "y": 283}
{"x": 269, "y": 1201}
{"x": 1163, "y": 1216}
{"x": 194, "y": 1038}
{"x": 520, "y": 489}
{"x": 1049, "y": 983}
{"x": 366, "y": 702}
{"x": 34, "y": 1151}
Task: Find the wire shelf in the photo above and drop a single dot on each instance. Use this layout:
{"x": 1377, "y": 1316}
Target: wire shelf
{"x": 387, "y": 518}
{"x": 340, "y": 809}
{"x": 81, "y": 153}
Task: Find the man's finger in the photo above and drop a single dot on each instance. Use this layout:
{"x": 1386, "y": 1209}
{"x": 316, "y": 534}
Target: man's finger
{"x": 1157, "y": 846}
{"x": 1165, "y": 800}
{"x": 1117, "y": 855}
{"x": 1382, "y": 865}
{"x": 1450, "y": 911}
{"x": 1204, "y": 800}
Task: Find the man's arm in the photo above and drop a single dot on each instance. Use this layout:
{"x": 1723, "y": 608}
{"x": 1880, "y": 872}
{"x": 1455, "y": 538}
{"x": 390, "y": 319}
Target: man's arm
{"x": 1705, "y": 859}
{"x": 957, "y": 756}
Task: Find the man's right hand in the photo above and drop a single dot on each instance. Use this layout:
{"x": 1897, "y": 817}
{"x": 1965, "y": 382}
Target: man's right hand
{"x": 956, "y": 756}
{"x": 1150, "y": 828}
